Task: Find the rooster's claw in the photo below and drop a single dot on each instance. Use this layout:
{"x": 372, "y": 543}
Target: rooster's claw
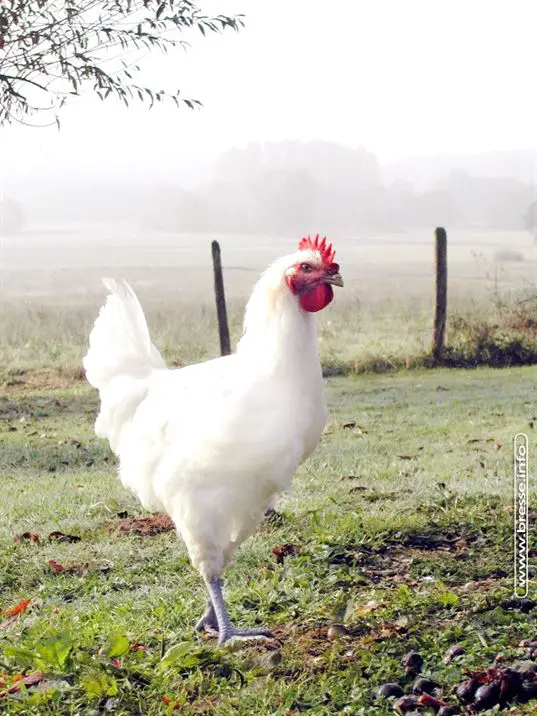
{"x": 234, "y": 633}
{"x": 208, "y": 621}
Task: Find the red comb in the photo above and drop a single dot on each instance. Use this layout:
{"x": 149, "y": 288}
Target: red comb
{"x": 327, "y": 252}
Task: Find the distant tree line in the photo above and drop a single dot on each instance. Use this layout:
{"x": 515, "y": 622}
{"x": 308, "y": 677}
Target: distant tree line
{"x": 289, "y": 188}
{"x": 286, "y": 186}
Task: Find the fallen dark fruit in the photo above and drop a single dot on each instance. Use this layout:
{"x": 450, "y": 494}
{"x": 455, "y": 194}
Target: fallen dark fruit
{"x": 448, "y": 711}
{"x": 486, "y": 696}
{"x": 412, "y": 661}
{"x": 510, "y": 681}
{"x": 466, "y": 690}
{"x": 527, "y": 691}
{"x": 453, "y": 652}
{"x": 425, "y": 686}
{"x": 405, "y": 704}
{"x": 387, "y": 690}
{"x": 430, "y": 702}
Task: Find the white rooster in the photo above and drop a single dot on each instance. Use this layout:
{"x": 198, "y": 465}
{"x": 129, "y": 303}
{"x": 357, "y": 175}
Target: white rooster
{"x": 213, "y": 444}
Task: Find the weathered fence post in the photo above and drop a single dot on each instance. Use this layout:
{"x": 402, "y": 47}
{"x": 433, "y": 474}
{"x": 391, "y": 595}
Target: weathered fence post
{"x": 440, "y": 303}
{"x": 223, "y": 328}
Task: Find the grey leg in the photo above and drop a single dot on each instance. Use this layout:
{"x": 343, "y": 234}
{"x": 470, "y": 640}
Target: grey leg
{"x": 208, "y": 620}
{"x": 226, "y": 630}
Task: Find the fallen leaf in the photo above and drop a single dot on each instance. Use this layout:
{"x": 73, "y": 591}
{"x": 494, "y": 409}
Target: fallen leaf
{"x": 29, "y": 680}
{"x": 281, "y": 551}
{"x": 139, "y": 647}
{"x": 30, "y": 536}
{"x": 350, "y": 424}
{"x": 56, "y": 566}
{"x": 405, "y": 457}
{"x": 19, "y": 608}
{"x": 366, "y": 608}
{"x": 61, "y": 537}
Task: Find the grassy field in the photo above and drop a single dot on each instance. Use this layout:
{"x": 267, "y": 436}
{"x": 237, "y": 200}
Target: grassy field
{"x": 400, "y": 527}
{"x": 50, "y": 294}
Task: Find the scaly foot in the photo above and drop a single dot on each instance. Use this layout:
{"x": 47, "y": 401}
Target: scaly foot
{"x": 208, "y": 621}
{"x": 226, "y": 630}
{"x": 231, "y": 632}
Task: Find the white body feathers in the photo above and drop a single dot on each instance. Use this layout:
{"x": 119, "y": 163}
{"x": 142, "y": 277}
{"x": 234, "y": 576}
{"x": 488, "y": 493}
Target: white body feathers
{"x": 211, "y": 444}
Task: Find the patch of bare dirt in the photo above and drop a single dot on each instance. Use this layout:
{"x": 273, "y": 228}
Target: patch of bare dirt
{"x": 46, "y": 380}
{"x": 156, "y": 524}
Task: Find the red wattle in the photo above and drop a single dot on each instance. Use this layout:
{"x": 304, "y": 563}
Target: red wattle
{"x": 316, "y": 299}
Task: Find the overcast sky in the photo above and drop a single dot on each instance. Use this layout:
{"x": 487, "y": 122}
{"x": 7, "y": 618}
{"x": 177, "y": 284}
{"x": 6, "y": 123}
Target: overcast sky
{"x": 399, "y": 77}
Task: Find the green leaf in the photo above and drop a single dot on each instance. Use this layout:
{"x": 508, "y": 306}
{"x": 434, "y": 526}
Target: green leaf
{"x": 55, "y": 651}
{"x": 100, "y": 685}
{"x": 448, "y": 599}
{"x": 404, "y": 595}
{"x": 175, "y": 653}
{"x": 21, "y": 656}
{"x": 116, "y": 645}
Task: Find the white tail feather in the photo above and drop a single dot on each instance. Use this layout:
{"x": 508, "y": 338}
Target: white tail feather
{"x": 120, "y": 359}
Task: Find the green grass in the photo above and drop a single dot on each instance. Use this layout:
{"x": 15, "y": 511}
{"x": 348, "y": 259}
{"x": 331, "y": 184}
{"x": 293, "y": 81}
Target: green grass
{"x": 405, "y": 508}
{"x": 44, "y": 343}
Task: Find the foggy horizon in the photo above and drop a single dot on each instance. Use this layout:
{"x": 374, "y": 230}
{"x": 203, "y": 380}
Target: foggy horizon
{"x": 417, "y": 90}
{"x": 422, "y": 80}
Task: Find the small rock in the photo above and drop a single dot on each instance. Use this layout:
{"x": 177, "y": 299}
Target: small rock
{"x": 335, "y": 631}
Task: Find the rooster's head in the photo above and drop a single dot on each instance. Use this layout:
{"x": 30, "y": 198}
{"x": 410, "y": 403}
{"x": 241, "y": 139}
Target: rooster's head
{"x": 313, "y": 274}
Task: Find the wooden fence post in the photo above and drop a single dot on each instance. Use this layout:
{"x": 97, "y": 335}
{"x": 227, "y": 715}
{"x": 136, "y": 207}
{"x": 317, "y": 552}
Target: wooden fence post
{"x": 440, "y": 303}
{"x": 221, "y": 312}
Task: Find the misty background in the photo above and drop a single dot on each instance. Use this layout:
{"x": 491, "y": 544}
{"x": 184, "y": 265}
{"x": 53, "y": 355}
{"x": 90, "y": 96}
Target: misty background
{"x": 343, "y": 117}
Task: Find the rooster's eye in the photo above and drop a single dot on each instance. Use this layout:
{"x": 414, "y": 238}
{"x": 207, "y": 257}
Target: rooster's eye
{"x": 306, "y": 268}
